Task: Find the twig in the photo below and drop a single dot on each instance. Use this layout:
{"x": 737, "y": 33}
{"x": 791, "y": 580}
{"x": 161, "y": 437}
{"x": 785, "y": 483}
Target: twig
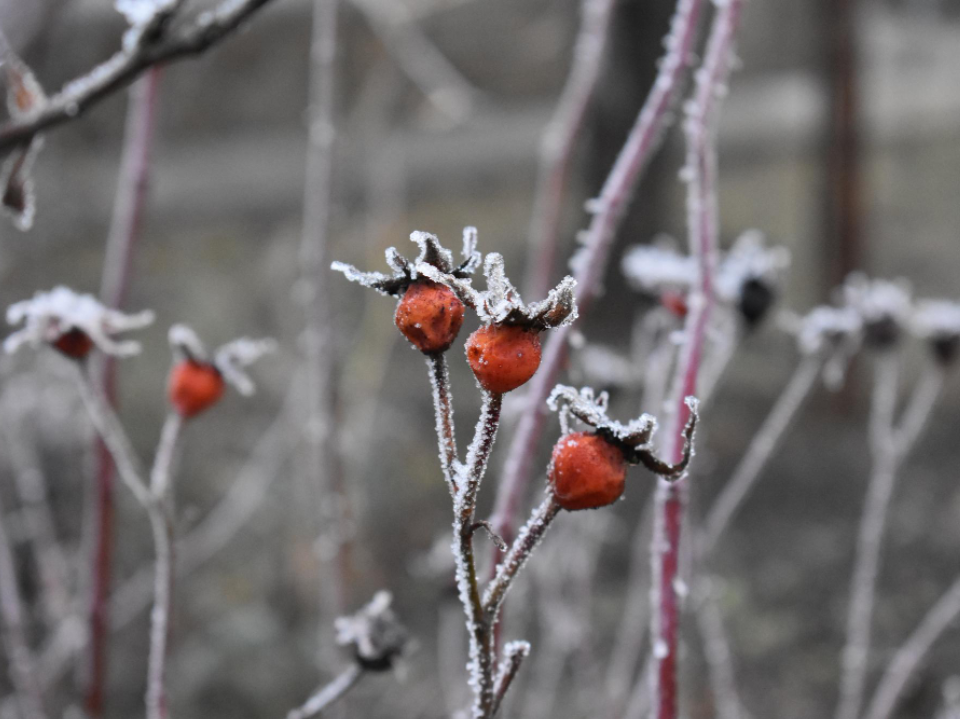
{"x": 703, "y": 231}
{"x": 129, "y": 202}
{"x": 152, "y": 48}
{"x": 889, "y": 446}
{"x": 329, "y": 693}
{"x": 21, "y": 660}
{"x": 443, "y": 410}
{"x": 321, "y": 466}
{"x": 717, "y": 651}
{"x": 560, "y": 140}
{"x": 513, "y": 656}
{"x": 911, "y": 653}
{"x": 610, "y": 206}
{"x": 762, "y": 446}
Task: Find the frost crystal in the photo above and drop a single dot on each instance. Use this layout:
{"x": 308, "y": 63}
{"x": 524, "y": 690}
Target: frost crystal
{"x": 501, "y": 303}
{"x": 229, "y": 359}
{"x": 48, "y": 316}
{"x": 432, "y": 255}
{"x": 374, "y": 633}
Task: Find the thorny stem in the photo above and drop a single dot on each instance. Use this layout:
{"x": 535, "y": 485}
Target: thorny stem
{"x": 443, "y": 409}
{"x": 889, "y": 446}
{"x": 480, "y": 630}
{"x": 906, "y": 660}
{"x": 610, "y": 206}
{"x": 761, "y": 448}
{"x": 329, "y": 693}
{"x": 130, "y": 199}
{"x": 152, "y": 49}
{"x": 21, "y": 662}
{"x": 559, "y": 142}
{"x": 703, "y": 231}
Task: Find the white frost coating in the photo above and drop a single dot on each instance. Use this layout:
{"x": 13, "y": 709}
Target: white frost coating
{"x": 50, "y": 315}
{"x": 652, "y": 268}
{"x": 592, "y": 410}
{"x": 186, "y": 342}
{"x": 373, "y": 280}
{"x": 936, "y": 320}
{"x": 750, "y": 259}
{"x": 877, "y": 299}
{"x": 660, "y": 649}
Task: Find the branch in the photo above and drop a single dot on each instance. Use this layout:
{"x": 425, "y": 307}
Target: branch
{"x": 329, "y": 693}
{"x": 513, "y": 656}
{"x": 702, "y": 223}
{"x": 151, "y": 48}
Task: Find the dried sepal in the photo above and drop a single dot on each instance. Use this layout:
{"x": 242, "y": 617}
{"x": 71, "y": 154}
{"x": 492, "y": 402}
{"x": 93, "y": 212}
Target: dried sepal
{"x": 51, "y": 316}
{"x": 374, "y": 633}
{"x": 432, "y": 255}
{"x": 229, "y": 360}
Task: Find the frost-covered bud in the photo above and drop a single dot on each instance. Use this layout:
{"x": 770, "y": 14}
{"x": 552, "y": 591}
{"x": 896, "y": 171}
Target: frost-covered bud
{"x": 73, "y": 324}
{"x": 374, "y": 633}
{"x": 883, "y": 305}
{"x": 938, "y": 323}
{"x": 196, "y": 383}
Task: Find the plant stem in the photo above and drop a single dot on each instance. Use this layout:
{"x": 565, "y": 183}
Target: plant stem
{"x": 906, "y": 660}
{"x": 717, "y": 652}
{"x": 703, "y": 230}
{"x": 329, "y": 693}
{"x": 889, "y": 446}
{"x": 443, "y": 410}
{"x": 610, "y": 206}
{"x": 513, "y": 656}
{"x": 129, "y": 202}
{"x": 560, "y": 140}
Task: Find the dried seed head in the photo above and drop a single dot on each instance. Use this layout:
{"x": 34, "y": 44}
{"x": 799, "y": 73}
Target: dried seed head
{"x": 429, "y": 316}
{"x": 835, "y": 332}
{"x": 586, "y": 471}
{"x": 374, "y": 633}
{"x": 69, "y": 321}
{"x": 503, "y": 357}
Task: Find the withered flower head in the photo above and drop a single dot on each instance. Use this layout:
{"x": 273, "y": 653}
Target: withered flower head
{"x": 406, "y": 272}
{"x": 883, "y": 305}
{"x": 374, "y": 633}
{"x": 836, "y": 332}
{"x": 938, "y": 323}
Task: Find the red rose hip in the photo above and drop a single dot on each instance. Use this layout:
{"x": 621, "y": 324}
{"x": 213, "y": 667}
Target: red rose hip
{"x": 74, "y": 343}
{"x": 503, "y": 357}
{"x": 194, "y": 387}
{"x": 429, "y": 316}
{"x": 586, "y": 471}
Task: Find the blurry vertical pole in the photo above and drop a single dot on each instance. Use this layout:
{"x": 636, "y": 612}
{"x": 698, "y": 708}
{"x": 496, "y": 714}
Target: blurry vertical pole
{"x": 132, "y": 186}
{"x": 320, "y": 468}
{"x": 559, "y": 142}
{"x": 844, "y": 251}
{"x": 700, "y": 172}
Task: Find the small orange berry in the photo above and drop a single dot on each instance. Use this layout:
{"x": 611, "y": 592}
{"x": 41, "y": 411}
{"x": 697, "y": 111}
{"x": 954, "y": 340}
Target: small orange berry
{"x": 503, "y": 357}
{"x": 586, "y": 471}
{"x": 429, "y": 316}
{"x": 74, "y": 343}
{"x": 193, "y": 387}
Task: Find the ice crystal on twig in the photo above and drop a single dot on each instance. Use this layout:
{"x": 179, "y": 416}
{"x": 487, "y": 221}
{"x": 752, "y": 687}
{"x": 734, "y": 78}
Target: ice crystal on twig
{"x": 634, "y": 438}
{"x": 61, "y": 315}
{"x": 374, "y": 633}
{"x": 230, "y": 359}
{"x": 883, "y": 306}
{"x": 432, "y": 255}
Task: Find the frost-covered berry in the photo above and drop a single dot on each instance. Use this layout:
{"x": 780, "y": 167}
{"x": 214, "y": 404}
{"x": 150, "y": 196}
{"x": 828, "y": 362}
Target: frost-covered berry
{"x": 503, "y": 357}
{"x": 74, "y": 344}
{"x": 429, "y": 316}
{"x": 586, "y": 471}
{"x": 194, "y": 387}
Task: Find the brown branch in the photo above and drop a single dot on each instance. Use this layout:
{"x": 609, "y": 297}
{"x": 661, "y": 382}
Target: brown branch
{"x": 151, "y": 48}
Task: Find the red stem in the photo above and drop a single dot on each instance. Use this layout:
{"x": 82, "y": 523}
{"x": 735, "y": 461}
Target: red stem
{"x": 125, "y": 224}
{"x": 616, "y": 193}
{"x": 703, "y": 224}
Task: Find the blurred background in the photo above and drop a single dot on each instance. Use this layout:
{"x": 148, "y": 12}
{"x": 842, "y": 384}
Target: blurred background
{"x": 840, "y": 139}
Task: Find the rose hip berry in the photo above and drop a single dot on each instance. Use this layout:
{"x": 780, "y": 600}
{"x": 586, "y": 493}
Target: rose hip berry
{"x": 74, "y": 343}
{"x": 193, "y": 387}
{"x": 429, "y": 316}
{"x": 586, "y": 471}
{"x": 503, "y": 357}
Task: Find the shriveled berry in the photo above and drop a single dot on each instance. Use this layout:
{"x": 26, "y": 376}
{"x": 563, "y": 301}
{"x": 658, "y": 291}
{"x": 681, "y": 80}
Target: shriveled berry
{"x": 503, "y": 357}
{"x": 429, "y": 316}
{"x": 586, "y": 471}
{"x": 74, "y": 343}
{"x": 675, "y": 302}
{"x": 193, "y": 387}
